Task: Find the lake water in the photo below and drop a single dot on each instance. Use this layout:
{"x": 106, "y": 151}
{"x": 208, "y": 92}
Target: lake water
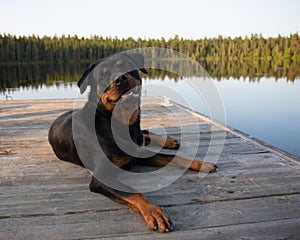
{"x": 268, "y": 109}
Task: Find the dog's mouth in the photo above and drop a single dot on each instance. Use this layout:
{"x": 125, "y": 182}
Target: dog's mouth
{"x": 131, "y": 95}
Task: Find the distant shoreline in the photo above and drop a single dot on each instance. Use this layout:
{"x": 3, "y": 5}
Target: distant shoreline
{"x": 65, "y": 48}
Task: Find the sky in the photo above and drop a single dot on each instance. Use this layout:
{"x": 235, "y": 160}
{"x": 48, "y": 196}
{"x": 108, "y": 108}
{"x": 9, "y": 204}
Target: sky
{"x": 150, "y": 19}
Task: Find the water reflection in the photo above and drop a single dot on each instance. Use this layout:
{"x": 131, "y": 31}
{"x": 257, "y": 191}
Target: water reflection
{"x": 36, "y": 75}
{"x": 254, "y": 71}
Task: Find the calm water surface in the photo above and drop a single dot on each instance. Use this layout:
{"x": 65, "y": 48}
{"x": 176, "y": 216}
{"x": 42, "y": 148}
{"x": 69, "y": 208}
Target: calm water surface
{"x": 268, "y": 109}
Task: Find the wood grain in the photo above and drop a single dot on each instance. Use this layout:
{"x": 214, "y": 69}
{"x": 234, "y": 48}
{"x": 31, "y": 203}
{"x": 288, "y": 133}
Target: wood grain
{"x": 255, "y": 194}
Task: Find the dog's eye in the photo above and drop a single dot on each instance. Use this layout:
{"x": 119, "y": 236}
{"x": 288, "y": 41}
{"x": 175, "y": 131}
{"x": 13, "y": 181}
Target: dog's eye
{"x": 117, "y": 81}
{"x": 124, "y": 76}
{"x": 121, "y": 78}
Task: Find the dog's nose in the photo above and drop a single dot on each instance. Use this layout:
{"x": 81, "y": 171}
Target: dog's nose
{"x": 121, "y": 79}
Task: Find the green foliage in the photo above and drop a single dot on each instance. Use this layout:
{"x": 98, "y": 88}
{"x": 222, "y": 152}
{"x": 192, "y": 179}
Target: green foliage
{"x": 72, "y": 48}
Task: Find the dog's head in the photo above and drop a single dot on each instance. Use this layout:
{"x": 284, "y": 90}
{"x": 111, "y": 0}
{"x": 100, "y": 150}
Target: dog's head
{"x": 114, "y": 79}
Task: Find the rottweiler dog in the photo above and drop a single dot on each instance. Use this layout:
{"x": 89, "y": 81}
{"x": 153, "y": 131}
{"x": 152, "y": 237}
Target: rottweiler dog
{"x": 115, "y": 83}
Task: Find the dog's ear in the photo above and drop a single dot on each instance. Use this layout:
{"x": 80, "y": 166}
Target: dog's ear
{"x": 83, "y": 81}
{"x": 138, "y": 60}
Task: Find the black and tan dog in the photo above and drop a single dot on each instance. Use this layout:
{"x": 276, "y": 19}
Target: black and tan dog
{"x": 115, "y": 83}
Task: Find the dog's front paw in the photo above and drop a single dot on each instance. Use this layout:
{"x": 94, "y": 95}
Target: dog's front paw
{"x": 171, "y": 143}
{"x": 156, "y": 219}
{"x": 205, "y": 167}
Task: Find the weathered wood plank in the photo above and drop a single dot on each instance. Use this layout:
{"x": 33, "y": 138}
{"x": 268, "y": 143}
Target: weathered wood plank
{"x": 281, "y": 229}
{"x": 40, "y": 197}
{"x": 62, "y": 200}
{"x": 125, "y": 221}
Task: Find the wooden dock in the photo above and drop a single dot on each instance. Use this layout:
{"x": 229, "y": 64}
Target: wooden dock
{"x": 255, "y": 194}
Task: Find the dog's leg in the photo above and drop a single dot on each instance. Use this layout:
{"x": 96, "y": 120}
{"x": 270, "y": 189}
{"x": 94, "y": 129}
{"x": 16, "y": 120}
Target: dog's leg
{"x": 155, "y": 217}
{"x": 163, "y": 141}
{"x": 161, "y": 160}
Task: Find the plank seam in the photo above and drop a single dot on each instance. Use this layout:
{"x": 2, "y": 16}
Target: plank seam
{"x": 194, "y": 202}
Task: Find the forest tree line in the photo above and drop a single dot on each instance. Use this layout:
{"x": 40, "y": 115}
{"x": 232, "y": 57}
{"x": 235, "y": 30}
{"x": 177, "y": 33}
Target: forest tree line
{"x": 24, "y": 49}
